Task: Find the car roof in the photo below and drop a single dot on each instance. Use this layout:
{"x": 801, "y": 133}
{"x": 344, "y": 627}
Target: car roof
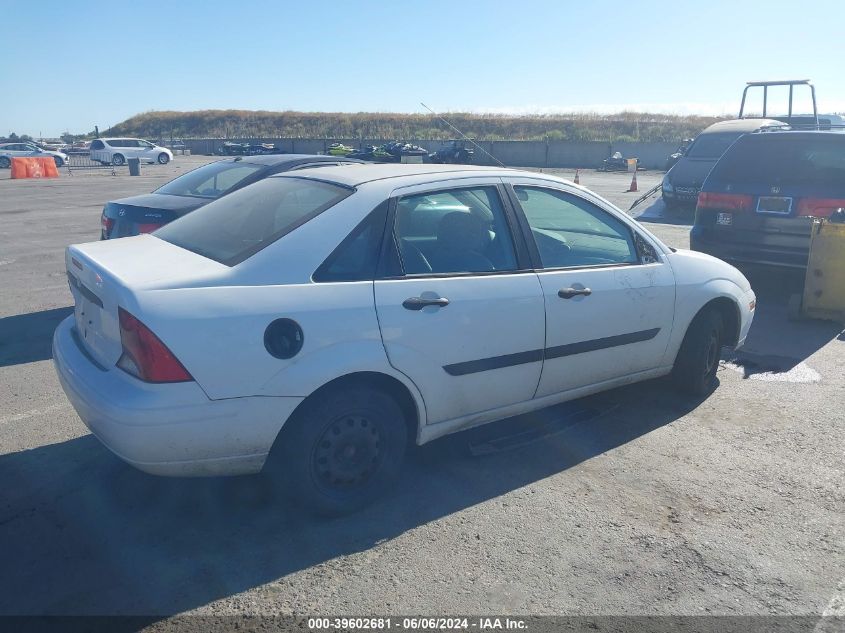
{"x": 740, "y": 125}
{"x": 800, "y": 134}
{"x": 408, "y": 173}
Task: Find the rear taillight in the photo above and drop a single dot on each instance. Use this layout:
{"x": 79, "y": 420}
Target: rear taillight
{"x": 107, "y": 224}
{"x": 821, "y": 207}
{"x": 148, "y": 228}
{"x": 724, "y": 201}
{"x": 144, "y": 355}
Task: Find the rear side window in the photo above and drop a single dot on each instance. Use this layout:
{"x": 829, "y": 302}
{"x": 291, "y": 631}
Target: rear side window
{"x": 233, "y": 228}
{"x": 97, "y": 145}
{"x": 784, "y": 159}
{"x": 357, "y": 256}
{"x": 712, "y": 146}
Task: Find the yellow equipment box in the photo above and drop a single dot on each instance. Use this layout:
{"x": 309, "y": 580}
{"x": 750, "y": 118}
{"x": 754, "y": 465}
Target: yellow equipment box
{"x": 824, "y": 285}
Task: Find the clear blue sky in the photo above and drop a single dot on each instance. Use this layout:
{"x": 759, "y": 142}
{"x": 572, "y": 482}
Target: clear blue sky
{"x": 71, "y": 65}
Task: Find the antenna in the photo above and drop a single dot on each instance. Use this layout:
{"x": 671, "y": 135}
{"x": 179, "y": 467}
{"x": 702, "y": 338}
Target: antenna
{"x": 463, "y": 136}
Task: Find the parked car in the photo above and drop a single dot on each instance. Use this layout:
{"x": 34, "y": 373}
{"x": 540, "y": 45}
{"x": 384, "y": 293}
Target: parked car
{"x": 116, "y": 151}
{"x": 176, "y": 144}
{"x": 78, "y": 148}
{"x": 8, "y": 151}
{"x": 190, "y": 191}
{"x": 683, "y": 181}
{"x": 319, "y": 320}
{"x": 455, "y": 153}
{"x": 756, "y": 206}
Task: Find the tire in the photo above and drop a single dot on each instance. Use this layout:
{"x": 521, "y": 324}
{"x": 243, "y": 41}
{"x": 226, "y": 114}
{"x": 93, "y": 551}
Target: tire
{"x": 342, "y": 450}
{"x": 59, "y": 161}
{"x": 117, "y": 160}
{"x": 5, "y": 162}
{"x": 163, "y": 159}
{"x": 698, "y": 359}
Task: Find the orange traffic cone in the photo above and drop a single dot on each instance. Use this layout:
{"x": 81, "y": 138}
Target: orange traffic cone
{"x": 633, "y": 183}
{"x": 577, "y": 181}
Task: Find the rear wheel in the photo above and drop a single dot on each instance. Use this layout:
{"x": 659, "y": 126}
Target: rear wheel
{"x": 698, "y": 359}
{"x": 117, "y": 160}
{"x": 342, "y": 449}
{"x": 5, "y": 162}
{"x": 163, "y": 159}
{"x": 59, "y": 161}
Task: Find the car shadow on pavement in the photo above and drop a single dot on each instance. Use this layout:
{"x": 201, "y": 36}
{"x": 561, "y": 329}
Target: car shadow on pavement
{"x": 26, "y": 338}
{"x": 83, "y": 533}
{"x": 655, "y": 210}
{"x": 776, "y": 343}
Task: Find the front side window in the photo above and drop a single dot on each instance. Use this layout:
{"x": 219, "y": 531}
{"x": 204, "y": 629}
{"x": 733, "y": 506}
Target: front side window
{"x": 570, "y": 231}
{"x": 237, "y": 226}
{"x": 453, "y": 231}
{"x": 212, "y": 180}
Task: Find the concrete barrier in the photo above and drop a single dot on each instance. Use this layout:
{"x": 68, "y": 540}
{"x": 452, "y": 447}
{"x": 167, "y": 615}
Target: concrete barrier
{"x": 551, "y": 154}
{"x": 34, "y": 167}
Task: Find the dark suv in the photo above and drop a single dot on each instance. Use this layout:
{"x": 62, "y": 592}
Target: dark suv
{"x": 756, "y": 205}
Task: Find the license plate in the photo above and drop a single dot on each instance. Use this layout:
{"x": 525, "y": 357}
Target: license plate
{"x": 771, "y": 204}
{"x": 725, "y": 219}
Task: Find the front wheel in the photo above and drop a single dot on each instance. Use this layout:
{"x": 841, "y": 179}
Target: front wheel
{"x": 342, "y": 450}
{"x": 59, "y": 161}
{"x": 163, "y": 159}
{"x": 698, "y": 359}
{"x": 117, "y": 160}
{"x": 5, "y": 162}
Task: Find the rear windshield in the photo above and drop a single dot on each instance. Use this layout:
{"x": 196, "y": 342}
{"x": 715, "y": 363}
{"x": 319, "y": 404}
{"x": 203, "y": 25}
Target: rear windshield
{"x": 212, "y": 180}
{"x": 712, "y": 145}
{"x": 231, "y": 229}
{"x": 784, "y": 159}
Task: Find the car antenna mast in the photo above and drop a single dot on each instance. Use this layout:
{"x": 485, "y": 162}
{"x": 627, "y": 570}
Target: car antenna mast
{"x": 463, "y": 136}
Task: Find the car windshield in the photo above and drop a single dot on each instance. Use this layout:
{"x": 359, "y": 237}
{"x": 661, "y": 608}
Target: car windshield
{"x": 712, "y": 146}
{"x": 236, "y": 227}
{"x": 785, "y": 159}
{"x": 212, "y": 180}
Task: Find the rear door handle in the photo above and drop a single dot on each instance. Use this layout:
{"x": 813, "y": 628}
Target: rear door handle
{"x": 418, "y": 303}
{"x": 568, "y": 293}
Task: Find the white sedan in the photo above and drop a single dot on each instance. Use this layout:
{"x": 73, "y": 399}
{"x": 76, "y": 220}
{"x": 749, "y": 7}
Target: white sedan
{"x": 8, "y": 151}
{"x": 313, "y": 323}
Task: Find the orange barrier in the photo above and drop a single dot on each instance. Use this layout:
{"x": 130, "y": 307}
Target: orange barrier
{"x": 34, "y": 167}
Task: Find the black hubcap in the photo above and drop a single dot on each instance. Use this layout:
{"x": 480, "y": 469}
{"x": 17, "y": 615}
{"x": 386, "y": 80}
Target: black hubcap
{"x": 348, "y": 452}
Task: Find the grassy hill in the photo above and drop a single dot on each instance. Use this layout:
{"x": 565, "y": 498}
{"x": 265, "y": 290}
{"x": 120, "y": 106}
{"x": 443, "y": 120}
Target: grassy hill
{"x": 625, "y": 126}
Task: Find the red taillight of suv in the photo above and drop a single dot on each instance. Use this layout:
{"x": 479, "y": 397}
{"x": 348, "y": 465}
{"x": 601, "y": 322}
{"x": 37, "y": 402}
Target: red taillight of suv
{"x": 145, "y": 356}
{"x": 724, "y": 201}
{"x": 820, "y": 207}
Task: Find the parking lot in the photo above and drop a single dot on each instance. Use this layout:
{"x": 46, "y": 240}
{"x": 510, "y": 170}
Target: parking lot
{"x": 637, "y": 501}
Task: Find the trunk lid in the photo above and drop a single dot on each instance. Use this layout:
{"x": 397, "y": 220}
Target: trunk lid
{"x": 109, "y": 274}
{"x": 144, "y": 214}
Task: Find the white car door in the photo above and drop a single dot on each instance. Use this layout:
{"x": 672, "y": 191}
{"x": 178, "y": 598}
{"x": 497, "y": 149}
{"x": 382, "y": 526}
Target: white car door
{"x": 609, "y": 295}
{"x": 145, "y": 151}
{"x": 460, "y": 312}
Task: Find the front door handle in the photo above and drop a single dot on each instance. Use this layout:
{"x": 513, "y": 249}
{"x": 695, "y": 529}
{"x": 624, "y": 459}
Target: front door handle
{"x": 568, "y": 293}
{"x": 418, "y": 303}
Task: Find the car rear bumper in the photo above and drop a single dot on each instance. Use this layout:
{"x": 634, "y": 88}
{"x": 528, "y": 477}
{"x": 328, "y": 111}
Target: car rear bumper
{"x": 703, "y": 239}
{"x": 167, "y": 429}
